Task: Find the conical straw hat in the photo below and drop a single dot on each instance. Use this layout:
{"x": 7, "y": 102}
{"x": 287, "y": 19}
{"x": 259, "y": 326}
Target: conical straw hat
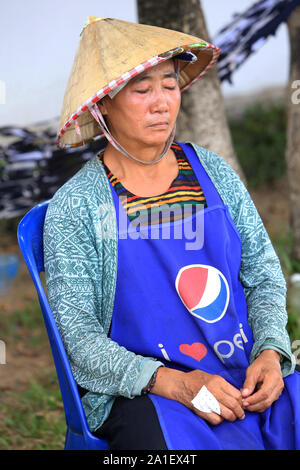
{"x": 112, "y": 51}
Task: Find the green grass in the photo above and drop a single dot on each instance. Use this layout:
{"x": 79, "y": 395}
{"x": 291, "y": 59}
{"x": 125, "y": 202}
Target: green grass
{"x": 33, "y": 419}
{"x": 27, "y": 323}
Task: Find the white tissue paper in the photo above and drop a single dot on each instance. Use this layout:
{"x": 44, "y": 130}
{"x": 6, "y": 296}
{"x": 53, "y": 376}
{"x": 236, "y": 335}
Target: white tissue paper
{"x": 206, "y": 402}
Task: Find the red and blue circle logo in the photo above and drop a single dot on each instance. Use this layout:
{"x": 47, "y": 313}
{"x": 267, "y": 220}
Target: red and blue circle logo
{"x": 204, "y": 291}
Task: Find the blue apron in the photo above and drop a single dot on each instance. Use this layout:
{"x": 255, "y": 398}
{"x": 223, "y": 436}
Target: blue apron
{"x": 179, "y": 299}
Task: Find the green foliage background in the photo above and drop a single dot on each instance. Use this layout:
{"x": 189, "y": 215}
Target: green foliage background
{"x": 259, "y": 140}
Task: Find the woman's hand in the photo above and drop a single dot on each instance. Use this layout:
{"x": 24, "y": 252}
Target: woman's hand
{"x": 265, "y": 375}
{"x": 184, "y": 386}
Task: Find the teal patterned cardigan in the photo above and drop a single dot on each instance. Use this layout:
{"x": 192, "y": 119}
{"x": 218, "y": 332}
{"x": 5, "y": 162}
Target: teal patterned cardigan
{"x": 81, "y": 250}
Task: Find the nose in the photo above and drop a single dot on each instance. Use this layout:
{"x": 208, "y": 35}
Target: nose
{"x": 160, "y": 102}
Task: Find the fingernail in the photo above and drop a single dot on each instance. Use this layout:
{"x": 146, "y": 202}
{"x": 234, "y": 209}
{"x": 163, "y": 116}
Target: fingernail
{"x": 245, "y": 391}
{"x": 245, "y": 403}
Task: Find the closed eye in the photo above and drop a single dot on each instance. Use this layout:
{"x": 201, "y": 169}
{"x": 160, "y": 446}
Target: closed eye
{"x": 145, "y": 91}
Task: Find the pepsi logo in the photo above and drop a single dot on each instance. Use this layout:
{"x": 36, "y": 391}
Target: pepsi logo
{"x": 204, "y": 291}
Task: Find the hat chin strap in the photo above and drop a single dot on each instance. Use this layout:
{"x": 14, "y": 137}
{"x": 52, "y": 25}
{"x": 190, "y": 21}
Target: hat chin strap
{"x": 97, "y": 115}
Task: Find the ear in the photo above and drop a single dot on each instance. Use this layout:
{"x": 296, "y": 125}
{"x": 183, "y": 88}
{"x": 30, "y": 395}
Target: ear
{"x": 102, "y": 106}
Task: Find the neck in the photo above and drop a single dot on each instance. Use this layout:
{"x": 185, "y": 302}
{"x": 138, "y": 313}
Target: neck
{"x": 122, "y": 166}
{"x": 143, "y": 153}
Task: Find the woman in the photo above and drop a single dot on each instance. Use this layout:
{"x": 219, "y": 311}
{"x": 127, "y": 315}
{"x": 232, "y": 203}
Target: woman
{"x": 164, "y": 284}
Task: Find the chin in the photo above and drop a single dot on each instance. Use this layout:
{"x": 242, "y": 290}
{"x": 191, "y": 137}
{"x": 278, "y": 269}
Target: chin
{"x": 156, "y": 143}
{"x": 158, "y": 138}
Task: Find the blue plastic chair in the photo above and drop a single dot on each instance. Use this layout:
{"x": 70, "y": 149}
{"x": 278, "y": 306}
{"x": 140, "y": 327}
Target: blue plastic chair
{"x": 30, "y": 238}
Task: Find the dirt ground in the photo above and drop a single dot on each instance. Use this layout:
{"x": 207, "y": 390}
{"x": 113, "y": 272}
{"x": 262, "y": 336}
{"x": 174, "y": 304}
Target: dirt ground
{"x": 22, "y": 363}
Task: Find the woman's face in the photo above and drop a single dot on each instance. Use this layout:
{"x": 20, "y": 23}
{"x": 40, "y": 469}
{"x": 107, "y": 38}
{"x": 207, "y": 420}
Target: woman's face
{"x": 144, "y": 112}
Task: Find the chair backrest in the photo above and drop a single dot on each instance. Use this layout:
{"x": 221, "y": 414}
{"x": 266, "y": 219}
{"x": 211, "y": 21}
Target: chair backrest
{"x": 30, "y": 238}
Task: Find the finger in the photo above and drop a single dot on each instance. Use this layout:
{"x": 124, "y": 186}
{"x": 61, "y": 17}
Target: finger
{"x": 261, "y": 406}
{"x": 234, "y": 405}
{"x": 266, "y": 394}
{"x": 230, "y": 408}
{"x": 231, "y": 398}
{"x": 249, "y": 384}
{"x": 212, "y": 418}
{"x": 229, "y": 414}
{"x": 265, "y": 403}
{"x": 232, "y": 392}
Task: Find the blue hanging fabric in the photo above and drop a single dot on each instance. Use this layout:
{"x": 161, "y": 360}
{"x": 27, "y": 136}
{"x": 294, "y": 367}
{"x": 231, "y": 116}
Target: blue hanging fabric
{"x": 248, "y": 31}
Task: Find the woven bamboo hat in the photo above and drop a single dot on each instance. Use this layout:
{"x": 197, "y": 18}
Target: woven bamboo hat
{"x": 109, "y": 53}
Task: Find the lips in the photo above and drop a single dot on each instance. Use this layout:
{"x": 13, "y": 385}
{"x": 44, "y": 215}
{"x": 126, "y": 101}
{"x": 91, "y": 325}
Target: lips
{"x": 159, "y": 124}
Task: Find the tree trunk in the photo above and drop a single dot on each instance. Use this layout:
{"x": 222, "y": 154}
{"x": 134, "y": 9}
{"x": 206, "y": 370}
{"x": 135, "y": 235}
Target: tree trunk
{"x": 293, "y": 129}
{"x": 202, "y": 118}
